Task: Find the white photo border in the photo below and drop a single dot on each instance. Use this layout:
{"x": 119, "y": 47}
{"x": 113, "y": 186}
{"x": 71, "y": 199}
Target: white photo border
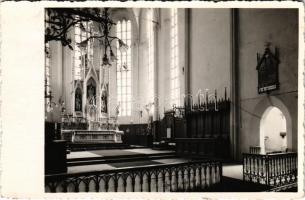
{"x": 22, "y": 103}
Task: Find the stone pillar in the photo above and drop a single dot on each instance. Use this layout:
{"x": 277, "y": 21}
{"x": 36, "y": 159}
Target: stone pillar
{"x": 234, "y": 75}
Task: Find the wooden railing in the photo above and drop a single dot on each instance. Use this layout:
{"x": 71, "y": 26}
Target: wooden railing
{"x": 272, "y": 169}
{"x": 191, "y": 176}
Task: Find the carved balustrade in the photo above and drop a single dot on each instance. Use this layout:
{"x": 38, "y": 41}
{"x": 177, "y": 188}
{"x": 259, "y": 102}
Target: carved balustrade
{"x": 191, "y": 176}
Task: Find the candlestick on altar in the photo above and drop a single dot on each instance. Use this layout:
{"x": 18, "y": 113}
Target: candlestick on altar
{"x": 201, "y": 107}
{"x": 199, "y": 100}
{"x": 187, "y": 101}
{"x": 225, "y": 93}
{"x": 216, "y": 100}
{"x": 191, "y": 102}
{"x": 207, "y": 99}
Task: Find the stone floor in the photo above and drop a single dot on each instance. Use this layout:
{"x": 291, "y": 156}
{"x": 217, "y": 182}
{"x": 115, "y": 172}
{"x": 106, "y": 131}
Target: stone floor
{"x": 99, "y": 167}
{"x": 229, "y": 170}
{"x": 86, "y": 168}
{"x": 118, "y": 152}
{"x": 233, "y": 171}
{"x": 114, "y": 152}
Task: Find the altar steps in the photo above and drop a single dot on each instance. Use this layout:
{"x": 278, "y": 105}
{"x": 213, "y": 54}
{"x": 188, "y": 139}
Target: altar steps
{"x": 95, "y": 146}
{"x": 117, "y": 159}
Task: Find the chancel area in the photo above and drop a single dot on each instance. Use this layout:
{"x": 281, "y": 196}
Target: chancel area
{"x": 171, "y": 99}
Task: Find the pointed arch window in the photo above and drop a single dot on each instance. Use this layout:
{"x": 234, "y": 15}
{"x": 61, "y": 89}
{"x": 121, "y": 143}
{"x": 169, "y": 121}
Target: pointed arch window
{"x": 174, "y": 67}
{"x": 124, "y": 68}
{"x": 151, "y": 53}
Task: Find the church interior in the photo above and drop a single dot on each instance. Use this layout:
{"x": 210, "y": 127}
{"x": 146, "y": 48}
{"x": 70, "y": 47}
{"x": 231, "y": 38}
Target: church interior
{"x": 171, "y": 99}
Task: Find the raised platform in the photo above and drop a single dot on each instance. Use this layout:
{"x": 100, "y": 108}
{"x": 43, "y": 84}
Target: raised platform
{"x": 117, "y": 158}
{"x": 79, "y": 146}
{"x": 92, "y": 136}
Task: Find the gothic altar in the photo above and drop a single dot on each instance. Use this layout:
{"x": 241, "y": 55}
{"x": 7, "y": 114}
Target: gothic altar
{"x": 80, "y": 130}
{"x": 90, "y": 121}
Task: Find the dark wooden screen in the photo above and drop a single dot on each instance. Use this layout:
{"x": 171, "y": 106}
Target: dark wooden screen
{"x": 177, "y": 125}
{"x": 207, "y": 130}
{"x": 136, "y": 134}
{"x": 209, "y": 123}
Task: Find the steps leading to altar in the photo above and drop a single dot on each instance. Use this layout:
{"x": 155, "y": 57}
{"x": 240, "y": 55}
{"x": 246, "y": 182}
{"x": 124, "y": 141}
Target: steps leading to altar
{"x": 83, "y": 146}
{"x": 92, "y": 136}
{"x": 118, "y": 159}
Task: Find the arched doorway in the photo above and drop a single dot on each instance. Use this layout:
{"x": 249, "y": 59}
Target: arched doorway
{"x": 273, "y": 130}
